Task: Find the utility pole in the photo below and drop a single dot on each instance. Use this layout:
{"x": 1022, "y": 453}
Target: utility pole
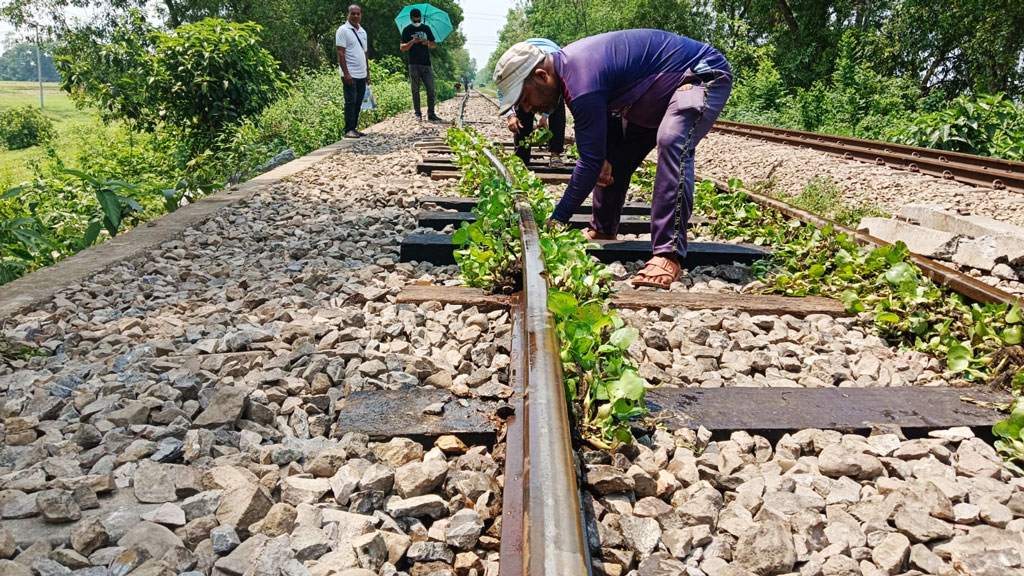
{"x": 39, "y": 71}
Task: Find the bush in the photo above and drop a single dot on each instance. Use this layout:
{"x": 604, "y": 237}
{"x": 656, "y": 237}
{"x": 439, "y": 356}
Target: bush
{"x": 213, "y": 73}
{"x": 991, "y": 125}
{"x": 312, "y": 114}
{"x": 197, "y": 79}
{"x": 24, "y": 126}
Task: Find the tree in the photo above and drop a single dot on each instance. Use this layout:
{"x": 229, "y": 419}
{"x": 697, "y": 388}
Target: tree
{"x": 18, "y": 63}
{"x": 198, "y": 78}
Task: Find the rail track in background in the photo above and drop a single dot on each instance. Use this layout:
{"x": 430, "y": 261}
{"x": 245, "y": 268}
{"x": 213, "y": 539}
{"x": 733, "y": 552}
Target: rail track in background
{"x": 542, "y": 531}
{"x": 965, "y": 168}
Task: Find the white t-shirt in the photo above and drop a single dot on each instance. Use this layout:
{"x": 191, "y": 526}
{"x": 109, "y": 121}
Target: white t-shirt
{"x": 354, "y": 43}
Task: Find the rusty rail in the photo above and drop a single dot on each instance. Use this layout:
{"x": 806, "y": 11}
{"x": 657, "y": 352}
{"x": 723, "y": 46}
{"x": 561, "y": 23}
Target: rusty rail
{"x": 542, "y": 526}
{"x": 966, "y": 168}
{"x": 553, "y": 542}
{"x": 461, "y": 121}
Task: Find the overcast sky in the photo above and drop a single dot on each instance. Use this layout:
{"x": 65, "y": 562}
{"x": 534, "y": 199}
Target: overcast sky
{"x": 481, "y": 22}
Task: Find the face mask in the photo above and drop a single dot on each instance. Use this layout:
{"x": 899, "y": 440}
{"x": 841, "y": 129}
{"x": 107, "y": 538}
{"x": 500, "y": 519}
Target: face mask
{"x": 417, "y": 24}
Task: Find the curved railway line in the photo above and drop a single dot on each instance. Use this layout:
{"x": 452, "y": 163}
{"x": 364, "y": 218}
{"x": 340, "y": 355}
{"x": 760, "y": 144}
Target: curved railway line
{"x": 316, "y": 394}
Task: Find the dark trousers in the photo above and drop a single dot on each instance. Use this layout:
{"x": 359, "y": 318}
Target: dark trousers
{"x": 694, "y": 107}
{"x": 556, "y": 123}
{"x": 354, "y": 94}
{"x": 420, "y": 73}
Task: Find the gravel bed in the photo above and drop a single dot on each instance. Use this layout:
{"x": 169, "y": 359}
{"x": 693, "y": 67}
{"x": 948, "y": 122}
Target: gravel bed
{"x": 184, "y": 421}
{"x": 725, "y": 348}
{"x": 818, "y": 503}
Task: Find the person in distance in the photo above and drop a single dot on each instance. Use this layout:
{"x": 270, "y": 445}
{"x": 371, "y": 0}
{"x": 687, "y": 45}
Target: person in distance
{"x": 417, "y": 40}
{"x": 354, "y": 66}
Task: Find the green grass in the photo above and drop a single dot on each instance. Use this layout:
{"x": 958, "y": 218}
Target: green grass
{"x": 15, "y": 165}
{"x": 824, "y": 198}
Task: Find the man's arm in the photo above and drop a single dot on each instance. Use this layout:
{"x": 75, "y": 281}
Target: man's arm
{"x": 344, "y": 65}
{"x": 366, "y": 55}
{"x": 590, "y": 114}
{"x": 430, "y": 38}
{"x": 408, "y": 40}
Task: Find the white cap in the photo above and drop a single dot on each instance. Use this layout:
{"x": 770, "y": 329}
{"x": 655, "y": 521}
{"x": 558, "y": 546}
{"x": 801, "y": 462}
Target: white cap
{"x": 512, "y": 69}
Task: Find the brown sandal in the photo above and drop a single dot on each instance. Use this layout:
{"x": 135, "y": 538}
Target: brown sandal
{"x": 659, "y": 272}
{"x": 593, "y": 235}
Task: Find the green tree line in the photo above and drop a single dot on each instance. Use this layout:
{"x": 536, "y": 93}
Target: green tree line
{"x": 947, "y": 75}
{"x": 299, "y": 34}
{"x": 959, "y": 46}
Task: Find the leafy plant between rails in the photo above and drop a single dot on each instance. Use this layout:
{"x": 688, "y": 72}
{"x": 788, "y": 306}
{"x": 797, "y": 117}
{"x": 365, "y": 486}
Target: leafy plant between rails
{"x": 602, "y": 386}
{"x": 978, "y": 342}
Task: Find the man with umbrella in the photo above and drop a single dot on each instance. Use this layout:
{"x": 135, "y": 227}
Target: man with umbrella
{"x": 417, "y": 40}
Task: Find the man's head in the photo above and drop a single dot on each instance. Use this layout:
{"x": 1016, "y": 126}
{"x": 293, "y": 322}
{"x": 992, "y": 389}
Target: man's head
{"x": 526, "y": 77}
{"x": 355, "y": 14}
{"x": 416, "y": 16}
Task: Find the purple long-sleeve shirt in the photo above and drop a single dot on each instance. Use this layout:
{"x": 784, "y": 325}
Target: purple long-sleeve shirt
{"x": 631, "y": 74}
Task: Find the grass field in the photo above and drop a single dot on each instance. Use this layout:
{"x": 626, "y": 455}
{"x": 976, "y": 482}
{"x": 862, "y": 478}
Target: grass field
{"x": 15, "y": 164}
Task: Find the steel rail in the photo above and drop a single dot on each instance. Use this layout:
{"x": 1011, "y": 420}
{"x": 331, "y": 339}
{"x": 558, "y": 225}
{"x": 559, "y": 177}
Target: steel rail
{"x": 966, "y": 168}
{"x": 943, "y": 275}
{"x": 552, "y": 540}
{"x": 461, "y": 122}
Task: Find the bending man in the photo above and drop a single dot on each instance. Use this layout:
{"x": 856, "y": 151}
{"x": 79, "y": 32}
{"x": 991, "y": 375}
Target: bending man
{"x": 628, "y": 92}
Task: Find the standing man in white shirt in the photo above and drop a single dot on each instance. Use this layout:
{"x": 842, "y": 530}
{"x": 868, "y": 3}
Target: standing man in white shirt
{"x": 354, "y": 65}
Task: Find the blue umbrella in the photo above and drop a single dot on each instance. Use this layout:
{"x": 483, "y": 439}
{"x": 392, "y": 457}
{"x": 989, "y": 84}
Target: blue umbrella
{"x": 438, "y": 20}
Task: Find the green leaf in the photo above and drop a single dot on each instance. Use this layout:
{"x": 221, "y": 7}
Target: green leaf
{"x": 958, "y": 358}
{"x": 623, "y": 337}
{"x": 91, "y": 233}
{"x": 561, "y": 304}
{"x": 629, "y": 385}
{"x": 1012, "y": 335}
{"x": 1011, "y": 427}
{"x": 13, "y": 192}
{"x": 111, "y": 210}
{"x": 1014, "y": 315}
{"x": 899, "y": 273}
{"x": 852, "y": 302}
{"x": 887, "y": 318}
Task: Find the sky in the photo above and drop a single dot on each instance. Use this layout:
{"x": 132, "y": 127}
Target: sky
{"x": 481, "y": 22}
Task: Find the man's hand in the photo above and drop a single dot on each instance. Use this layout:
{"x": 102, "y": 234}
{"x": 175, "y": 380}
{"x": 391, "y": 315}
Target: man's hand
{"x": 605, "y": 179}
{"x": 514, "y": 125}
{"x": 543, "y": 123}
{"x": 348, "y": 79}
{"x": 554, "y": 226}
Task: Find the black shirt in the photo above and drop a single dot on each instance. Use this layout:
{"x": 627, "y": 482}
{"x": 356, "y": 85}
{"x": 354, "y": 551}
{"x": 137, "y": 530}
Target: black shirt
{"x": 418, "y": 53}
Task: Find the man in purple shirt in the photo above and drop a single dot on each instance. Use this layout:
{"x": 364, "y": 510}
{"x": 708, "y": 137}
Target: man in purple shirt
{"x": 628, "y": 92}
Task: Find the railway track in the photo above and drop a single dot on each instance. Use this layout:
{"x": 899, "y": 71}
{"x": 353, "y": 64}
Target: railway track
{"x": 273, "y": 377}
{"x": 966, "y": 168}
{"x": 774, "y": 412}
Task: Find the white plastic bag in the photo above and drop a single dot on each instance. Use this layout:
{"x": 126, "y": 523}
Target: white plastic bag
{"x": 368, "y": 102}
